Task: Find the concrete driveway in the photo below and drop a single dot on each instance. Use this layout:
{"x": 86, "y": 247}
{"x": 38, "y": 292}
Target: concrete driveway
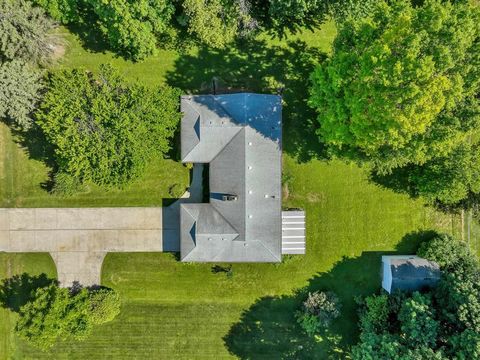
{"x": 79, "y": 238}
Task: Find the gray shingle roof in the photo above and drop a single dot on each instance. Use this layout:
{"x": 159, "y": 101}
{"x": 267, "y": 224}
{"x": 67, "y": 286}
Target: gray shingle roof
{"x": 239, "y": 135}
{"x": 413, "y": 273}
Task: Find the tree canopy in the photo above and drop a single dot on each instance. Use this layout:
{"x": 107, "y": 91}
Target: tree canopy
{"x": 401, "y": 90}
{"x": 103, "y": 129}
{"x": 24, "y": 32}
{"x": 57, "y": 313}
{"x": 20, "y": 87}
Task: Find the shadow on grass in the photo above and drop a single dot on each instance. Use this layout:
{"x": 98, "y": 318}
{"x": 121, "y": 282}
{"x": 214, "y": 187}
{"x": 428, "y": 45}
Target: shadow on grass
{"x": 258, "y": 66}
{"x": 18, "y": 290}
{"x": 38, "y": 148}
{"x": 268, "y": 329}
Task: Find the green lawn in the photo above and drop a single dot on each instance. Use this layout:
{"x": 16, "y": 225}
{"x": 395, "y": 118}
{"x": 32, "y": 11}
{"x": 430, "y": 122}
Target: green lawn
{"x": 174, "y": 310}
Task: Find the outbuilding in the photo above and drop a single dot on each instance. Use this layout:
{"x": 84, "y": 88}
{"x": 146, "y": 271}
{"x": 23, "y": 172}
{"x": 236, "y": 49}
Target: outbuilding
{"x": 408, "y": 273}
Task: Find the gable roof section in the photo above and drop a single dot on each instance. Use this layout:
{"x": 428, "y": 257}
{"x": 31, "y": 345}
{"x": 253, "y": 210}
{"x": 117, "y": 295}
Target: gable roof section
{"x": 240, "y": 136}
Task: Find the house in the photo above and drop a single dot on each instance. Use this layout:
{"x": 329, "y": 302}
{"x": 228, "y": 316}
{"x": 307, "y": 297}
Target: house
{"x": 408, "y": 273}
{"x": 239, "y": 136}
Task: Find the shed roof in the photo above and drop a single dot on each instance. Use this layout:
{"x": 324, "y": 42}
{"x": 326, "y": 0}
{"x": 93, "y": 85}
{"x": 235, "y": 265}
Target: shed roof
{"x": 239, "y": 135}
{"x": 412, "y": 272}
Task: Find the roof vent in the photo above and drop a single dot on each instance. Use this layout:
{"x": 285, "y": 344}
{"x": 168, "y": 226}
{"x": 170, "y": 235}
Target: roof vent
{"x": 228, "y": 197}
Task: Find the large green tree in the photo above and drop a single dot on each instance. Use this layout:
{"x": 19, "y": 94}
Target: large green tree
{"x": 132, "y": 26}
{"x": 104, "y": 129}
{"x": 56, "y": 313}
{"x": 24, "y": 32}
{"x": 20, "y": 88}
{"x": 401, "y": 89}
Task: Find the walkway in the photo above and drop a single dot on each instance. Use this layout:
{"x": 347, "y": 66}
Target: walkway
{"x": 79, "y": 238}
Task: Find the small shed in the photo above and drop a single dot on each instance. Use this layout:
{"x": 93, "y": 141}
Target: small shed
{"x": 408, "y": 273}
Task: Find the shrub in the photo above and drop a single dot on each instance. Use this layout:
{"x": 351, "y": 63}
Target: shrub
{"x": 318, "y": 311}
{"x": 104, "y": 305}
{"x": 176, "y": 190}
{"x": 65, "y": 184}
{"x": 447, "y": 252}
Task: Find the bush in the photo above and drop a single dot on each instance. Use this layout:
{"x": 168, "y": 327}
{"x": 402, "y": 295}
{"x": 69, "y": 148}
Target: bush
{"x": 176, "y": 191}
{"x": 447, "y": 252}
{"x": 24, "y": 32}
{"x": 65, "y": 184}
{"x": 104, "y": 305}
{"x": 318, "y": 311}
{"x": 104, "y": 129}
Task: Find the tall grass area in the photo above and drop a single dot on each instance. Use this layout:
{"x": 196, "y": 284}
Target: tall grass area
{"x": 173, "y": 310}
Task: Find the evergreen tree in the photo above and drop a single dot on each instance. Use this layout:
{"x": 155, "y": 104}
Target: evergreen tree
{"x": 24, "y": 32}
{"x": 20, "y": 88}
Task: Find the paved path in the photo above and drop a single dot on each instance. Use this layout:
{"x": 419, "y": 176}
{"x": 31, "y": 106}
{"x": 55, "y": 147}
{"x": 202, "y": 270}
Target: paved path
{"x": 79, "y": 238}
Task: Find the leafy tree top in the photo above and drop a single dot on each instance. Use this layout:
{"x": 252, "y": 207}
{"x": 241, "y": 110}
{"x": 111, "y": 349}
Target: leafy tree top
{"x": 104, "y": 129}
{"x": 392, "y": 74}
{"x": 24, "y": 32}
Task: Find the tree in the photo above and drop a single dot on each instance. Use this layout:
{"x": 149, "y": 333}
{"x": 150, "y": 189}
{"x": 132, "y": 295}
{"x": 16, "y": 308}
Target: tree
{"x": 103, "y": 129}
{"x": 24, "y": 32}
{"x": 213, "y": 22}
{"x": 20, "y": 89}
{"x": 295, "y": 14}
{"x": 65, "y": 11}
{"x": 57, "y": 313}
{"x": 104, "y": 305}
{"x": 447, "y": 252}
{"x": 318, "y": 311}
{"x": 418, "y": 321}
{"x": 132, "y": 27}
{"x": 54, "y": 314}
{"x": 396, "y": 82}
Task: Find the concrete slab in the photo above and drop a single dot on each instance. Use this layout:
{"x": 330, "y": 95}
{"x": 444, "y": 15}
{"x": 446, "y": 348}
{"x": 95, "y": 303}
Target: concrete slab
{"x": 79, "y": 238}
{"x": 21, "y": 219}
{"x": 4, "y": 220}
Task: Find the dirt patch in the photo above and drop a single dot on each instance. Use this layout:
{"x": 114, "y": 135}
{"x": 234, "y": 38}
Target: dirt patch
{"x": 315, "y": 197}
{"x": 57, "y": 51}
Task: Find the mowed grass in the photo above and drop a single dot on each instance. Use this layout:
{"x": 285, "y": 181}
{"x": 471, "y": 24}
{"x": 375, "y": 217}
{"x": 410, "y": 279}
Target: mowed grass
{"x": 173, "y": 310}
{"x": 185, "y": 311}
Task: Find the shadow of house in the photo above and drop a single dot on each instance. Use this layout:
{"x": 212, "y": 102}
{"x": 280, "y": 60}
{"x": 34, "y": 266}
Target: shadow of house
{"x": 19, "y": 289}
{"x": 268, "y": 329}
{"x": 257, "y": 66}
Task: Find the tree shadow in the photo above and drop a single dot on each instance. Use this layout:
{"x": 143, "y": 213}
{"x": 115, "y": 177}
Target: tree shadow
{"x": 268, "y": 329}
{"x": 257, "y": 66}
{"x": 19, "y": 289}
{"x": 38, "y": 148}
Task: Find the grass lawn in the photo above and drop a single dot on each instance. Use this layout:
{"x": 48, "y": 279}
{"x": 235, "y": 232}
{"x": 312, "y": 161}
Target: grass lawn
{"x": 175, "y": 310}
